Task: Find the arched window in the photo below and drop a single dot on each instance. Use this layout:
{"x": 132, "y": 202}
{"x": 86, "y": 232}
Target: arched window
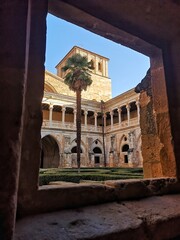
{"x": 125, "y": 148}
{"x": 97, "y": 150}
{"x": 74, "y": 149}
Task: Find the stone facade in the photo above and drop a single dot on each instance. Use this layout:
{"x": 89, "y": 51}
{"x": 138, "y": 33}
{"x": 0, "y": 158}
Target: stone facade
{"x": 117, "y": 117}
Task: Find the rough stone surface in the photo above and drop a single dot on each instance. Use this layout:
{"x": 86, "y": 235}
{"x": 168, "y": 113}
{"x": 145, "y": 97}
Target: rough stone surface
{"x": 157, "y": 148}
{"x": 75, "y": 195}
{"x": 136, "y": 189}
{"x": 12, "y": 82}
{"x": 152, "y": 218}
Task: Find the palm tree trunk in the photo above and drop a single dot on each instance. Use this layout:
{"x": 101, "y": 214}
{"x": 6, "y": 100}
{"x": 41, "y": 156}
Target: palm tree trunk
{"x": 78, "y": 127}
{"x": 104, "y": 151}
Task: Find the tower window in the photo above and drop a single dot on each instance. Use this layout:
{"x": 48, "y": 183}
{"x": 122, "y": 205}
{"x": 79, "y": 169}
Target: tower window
{"x": 99, "y": 66}
{"x": 92, "y": 64}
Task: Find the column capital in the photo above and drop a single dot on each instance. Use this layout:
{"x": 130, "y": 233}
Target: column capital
{"x": 85, "y": 112}
{"x": 111, "y": 112}
{"x": 119, "y": 109}
{"x": 51, "y": 106}
{"x": 137, "y": 102}
{"x": 63, "y": 108}
{"x": 128, "y": 106}
{"x": 95, "y": 114}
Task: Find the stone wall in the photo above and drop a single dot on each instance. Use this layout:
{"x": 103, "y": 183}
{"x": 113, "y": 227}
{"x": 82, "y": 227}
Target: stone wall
{"x": 157, "y": 149}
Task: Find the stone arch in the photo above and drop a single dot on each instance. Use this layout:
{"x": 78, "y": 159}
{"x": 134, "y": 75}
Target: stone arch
{"x": 49, "y": 88}
{"x": 74, "y": 144}
{"x": 96, "y": 143}
{"x": 97, "y": 156}
{"x": 124, "y": 150}
{"x": 96, "y": 151}
{"x": 123, "y": 140}
{"x": 50, "y": 157}
{"x": 73, "y": 147}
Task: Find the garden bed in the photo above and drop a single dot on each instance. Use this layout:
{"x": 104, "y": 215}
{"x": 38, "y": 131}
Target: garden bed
{"x": 88, "y": 174}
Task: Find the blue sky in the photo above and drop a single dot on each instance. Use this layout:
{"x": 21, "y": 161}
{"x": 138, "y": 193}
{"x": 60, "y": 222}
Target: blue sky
{"x": 126, "y": 67}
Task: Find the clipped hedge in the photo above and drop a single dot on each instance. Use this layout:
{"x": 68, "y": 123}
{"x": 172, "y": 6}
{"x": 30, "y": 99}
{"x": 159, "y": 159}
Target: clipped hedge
{"x": 72, "y": 176}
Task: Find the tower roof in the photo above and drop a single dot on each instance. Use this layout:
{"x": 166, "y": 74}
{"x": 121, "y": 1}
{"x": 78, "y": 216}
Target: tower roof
{"x": 74, "y": 49}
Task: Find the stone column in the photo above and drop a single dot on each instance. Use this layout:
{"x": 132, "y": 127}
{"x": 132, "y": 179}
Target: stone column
{"x": 95, "y": 119}
{"x": 32, "y": 115}
{"x": 119, "y": 115}
{"x": 13, "y": 28}
{"x": 111, "y": 113}
{"x": 138, "y": 110}
{"x": 85, "y": 117}
{"x": 128, "y": 113}
{"x": 75, "y": 111}
{"x": 63, "y": 114}
{"x": 50, "y": 114}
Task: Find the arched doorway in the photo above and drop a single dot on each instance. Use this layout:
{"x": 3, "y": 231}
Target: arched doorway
{"x": 97, "y": 156}
{"x": 125, "y": 149}
{"x": 50, "y": 157}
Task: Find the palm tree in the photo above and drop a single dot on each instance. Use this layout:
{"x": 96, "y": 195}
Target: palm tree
{"x": 78, "y": 77}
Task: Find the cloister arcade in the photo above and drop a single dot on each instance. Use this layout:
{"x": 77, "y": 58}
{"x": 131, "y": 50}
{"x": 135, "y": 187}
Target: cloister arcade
{"x": 119, "y": 117}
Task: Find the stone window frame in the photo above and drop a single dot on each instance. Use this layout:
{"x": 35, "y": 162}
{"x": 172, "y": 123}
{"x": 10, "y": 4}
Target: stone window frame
{"x": 30, "y": 197}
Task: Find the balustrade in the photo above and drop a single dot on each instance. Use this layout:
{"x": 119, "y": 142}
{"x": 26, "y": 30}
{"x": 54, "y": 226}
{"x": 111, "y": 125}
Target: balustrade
{"x": 65, "y": 125}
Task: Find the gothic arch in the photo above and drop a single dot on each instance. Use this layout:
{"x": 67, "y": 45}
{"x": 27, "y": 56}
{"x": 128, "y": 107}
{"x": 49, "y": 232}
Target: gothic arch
{"x": 96, "y": 143}
{"x": 122, "y": 141}
{"x": 74, "y": 144}
{"x": 124, "y": 152}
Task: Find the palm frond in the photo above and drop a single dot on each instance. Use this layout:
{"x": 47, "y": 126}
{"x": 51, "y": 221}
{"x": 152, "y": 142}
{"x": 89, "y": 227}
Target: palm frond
{"x": 78, "y": 75}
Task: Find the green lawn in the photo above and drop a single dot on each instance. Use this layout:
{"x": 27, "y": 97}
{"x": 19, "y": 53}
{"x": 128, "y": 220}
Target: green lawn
{"x": 91, "y": 174}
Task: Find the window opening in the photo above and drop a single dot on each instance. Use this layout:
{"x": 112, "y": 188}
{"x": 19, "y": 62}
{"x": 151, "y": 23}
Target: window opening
{"x": 97, "y": 150}
{"x": 125, "y": 148}
{"x": 99, "y": 66}
{"x": 96, "y": 159}
{"x": 125, "y": 158}
{"x": 60, "y": 104}
{"x": 74, "y": 150}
